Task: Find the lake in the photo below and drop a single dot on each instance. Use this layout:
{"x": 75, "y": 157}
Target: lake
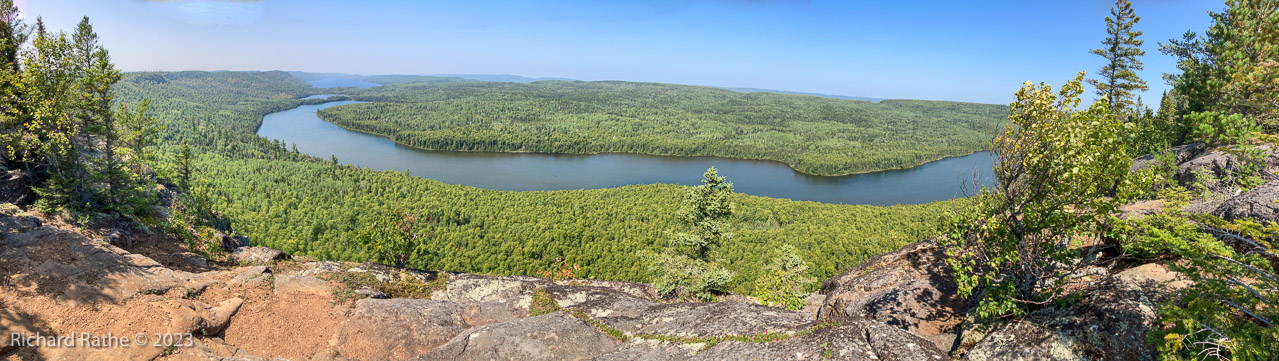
{"x": 944, "y": 179}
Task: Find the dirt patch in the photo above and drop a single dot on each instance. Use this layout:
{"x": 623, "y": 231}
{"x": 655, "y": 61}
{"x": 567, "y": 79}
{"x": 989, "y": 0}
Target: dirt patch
{"x": 294, "y": 326}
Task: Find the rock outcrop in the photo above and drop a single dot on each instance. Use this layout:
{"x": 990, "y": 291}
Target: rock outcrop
{"x": 15, "y": 188}
{"x": 555, "y": 336}
{"x": 257, "y": 255}
{"x": 1218, "y": 164}
{"x": 910, "y": 288}
{"x": 1184, "y": 153}
{"x": 398, "y": 329}
{"x": 1257, "y": 203}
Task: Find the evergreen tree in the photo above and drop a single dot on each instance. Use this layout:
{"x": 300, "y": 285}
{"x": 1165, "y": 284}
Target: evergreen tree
{"x": 1232, "y": 68}
{"x": 703, "y": 209}
{"x": 1120, "y": 49}
{"x": 96, "y": 75}
{"x": 13, "y": 34}
{"x": 687, "y": 269}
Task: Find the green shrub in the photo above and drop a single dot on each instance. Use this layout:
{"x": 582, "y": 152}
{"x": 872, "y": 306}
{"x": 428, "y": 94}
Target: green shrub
{"x": 782, "y": 282}
{"x": 682, "y": 277}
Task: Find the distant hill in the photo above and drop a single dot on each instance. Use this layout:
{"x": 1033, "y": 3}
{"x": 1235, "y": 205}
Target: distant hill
{"x": 498, "y": 77}
{"x": 758, "y": 90}
{"x": 507, "y": 78}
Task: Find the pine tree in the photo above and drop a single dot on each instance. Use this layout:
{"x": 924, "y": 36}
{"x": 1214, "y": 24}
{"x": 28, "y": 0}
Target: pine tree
{"x": 1121, "y": 49}
{"x": 13, "y": 34}
{"x": 96, "y": 76}
{"x": 1234, "y": 67}
{"x": 687, "y": 269}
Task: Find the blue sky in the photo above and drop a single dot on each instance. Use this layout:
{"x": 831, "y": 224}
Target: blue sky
{"x": 947, "y": 50}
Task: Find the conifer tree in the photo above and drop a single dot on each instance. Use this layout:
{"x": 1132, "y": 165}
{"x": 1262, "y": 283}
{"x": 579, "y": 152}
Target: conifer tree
{"x": 687, "y": 268}
{"x": 1121, "y": 50}
{"x": 13, "y": 34}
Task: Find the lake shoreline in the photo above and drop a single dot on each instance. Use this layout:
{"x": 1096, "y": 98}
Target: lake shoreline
{"x": 788, "y": 165}
{"x": 944, "y": 179}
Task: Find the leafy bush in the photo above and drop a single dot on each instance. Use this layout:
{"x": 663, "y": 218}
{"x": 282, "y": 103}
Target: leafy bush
{"x": 1056, "y": 171}
{"x": 1236, "y": 134}
{"x": 782, "y": 282}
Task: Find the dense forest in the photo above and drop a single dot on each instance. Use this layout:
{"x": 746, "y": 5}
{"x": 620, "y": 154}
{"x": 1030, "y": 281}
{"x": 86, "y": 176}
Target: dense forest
{"x": 814, "y": 135}
{"x": 311, "y": 206}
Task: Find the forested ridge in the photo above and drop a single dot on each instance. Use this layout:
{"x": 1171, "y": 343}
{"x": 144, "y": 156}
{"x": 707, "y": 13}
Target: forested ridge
{"x": 814, "y": 135}
{"x": 311, "y": 206}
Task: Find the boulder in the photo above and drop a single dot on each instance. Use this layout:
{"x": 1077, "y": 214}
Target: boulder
{"x": 15, "y": 189}
{"x": 365, "y": 292}
{"x": 257, "y": 255}
{"x": 216, "y": 318}
{"x": 1184, "y": 153}
{"x": 639, "y": 349}
{"x": 909, "y": 288}
{"x": 1156, "y": 279}
{"x": 1141, "y": 208}
{"x": 216, "y": 349}
{"x": 479, "y": 314}
{"x": 1109, "y": 324}
{"x": 387, "y": 273}
{"x": 250, "y": 275}
{"x": 639, "y": 290}
{"x": 1217, "y": 164}
{"x": 1258, "y": 203}
{"x": 120, "y": 233}
{"x": 711, "y": 319}
{"x": 229, "y": 243}
{"x": 468, "y": 288}
{"x": 600, "y": 302}
{"x": 554, "y": 336}
{"x": 397, "y": 329}
{"x": 188, "y": 260}
{"x": 321, "y": 267}
{"x": 141, "y": 261}
{"x": 18, "y": 223}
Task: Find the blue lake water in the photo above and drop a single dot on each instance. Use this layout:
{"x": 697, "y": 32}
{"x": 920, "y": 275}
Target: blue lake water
{"x": 944, "y": 179}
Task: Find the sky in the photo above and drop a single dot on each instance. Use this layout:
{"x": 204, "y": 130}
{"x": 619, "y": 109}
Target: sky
{"x": 979, "y": 51}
